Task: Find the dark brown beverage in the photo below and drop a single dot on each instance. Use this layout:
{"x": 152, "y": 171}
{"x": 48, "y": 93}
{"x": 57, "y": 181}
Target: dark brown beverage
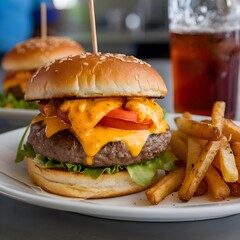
{"x": 205, "y": 70}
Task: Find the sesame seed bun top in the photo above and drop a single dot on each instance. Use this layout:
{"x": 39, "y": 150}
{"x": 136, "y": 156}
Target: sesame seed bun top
{"x": 35, "y": 52}
{"x": 95, "y": 75}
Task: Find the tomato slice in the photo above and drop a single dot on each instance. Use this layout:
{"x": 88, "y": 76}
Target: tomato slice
{"x": 124, "y": 115}
{"x": 122, "y": 124}
{"x": 124, "y": 119}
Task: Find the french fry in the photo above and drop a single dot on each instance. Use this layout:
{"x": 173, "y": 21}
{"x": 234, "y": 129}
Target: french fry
{"x": 202, "y": 142}
{"x": 216, "y": 162}
{"x": 165, "y": 186}
{"x": 236, "y": 148}
{"x": 218, "y": 187}
{"x": 209, "y": 121}
{"x": 187, "y": 115}
{"x": 218, "y": 115}
{"x": 234, "y": 189}
{"x": 196, "y": 129}
{"x": 173, "y": 156}
{"x": 227, "y": 162}
{"x": 178, "y": 147}
{"x": 232, "y": 129}
{"x": 180, "y": 135}
{"x": 198, "y": 171}
{"x": 194, "y": 150}
{"x": 236, "y": 151}
{"x": 210, "y": 152}
{"x": 201, "y": 189}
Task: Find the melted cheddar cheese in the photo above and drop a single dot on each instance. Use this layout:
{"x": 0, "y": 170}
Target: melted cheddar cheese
{"x": 53, "y": 124}
{"x": 20, "y": 78}
{"x": 84, "y": 115}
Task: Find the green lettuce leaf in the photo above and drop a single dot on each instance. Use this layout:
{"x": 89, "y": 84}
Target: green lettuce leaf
{"x": 93, "y": 172}
{"x": 24, "y": 150}
{"x": 141, "y": 174}
{"x": 44, "y": 162}
{"x": 11, "y": 102}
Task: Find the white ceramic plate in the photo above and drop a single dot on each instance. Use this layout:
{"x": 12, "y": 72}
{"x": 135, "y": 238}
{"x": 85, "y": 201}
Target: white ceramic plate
{"x": 133, "y": 207}
{"x": 17, "y": 116}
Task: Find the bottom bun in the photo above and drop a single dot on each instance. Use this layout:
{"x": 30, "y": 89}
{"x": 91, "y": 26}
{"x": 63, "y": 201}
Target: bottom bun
{"x": 81, "y": 186}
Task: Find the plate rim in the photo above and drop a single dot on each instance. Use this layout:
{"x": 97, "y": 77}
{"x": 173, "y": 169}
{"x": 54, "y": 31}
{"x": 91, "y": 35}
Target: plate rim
{"x": 150, "y": 213}
{"x": 15, "y": 111}
{"x": 18, "y": 117}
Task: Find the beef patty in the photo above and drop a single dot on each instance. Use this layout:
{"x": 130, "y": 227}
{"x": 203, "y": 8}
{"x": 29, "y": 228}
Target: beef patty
{"x": 64, "y": 147}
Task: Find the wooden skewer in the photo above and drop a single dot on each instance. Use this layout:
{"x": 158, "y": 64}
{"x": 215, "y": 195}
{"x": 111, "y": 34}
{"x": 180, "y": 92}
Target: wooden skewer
{"x": 43, "y": 20}
{"x": 93, "y": 26}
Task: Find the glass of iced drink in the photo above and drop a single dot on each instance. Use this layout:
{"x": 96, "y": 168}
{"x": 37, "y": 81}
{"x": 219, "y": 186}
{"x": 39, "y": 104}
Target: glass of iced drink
{"x": 205, "y": 50}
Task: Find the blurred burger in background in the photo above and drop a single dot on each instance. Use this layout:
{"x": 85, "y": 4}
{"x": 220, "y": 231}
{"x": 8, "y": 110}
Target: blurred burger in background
{"x": 24, "y": 59}
{"x": 99, "y": 132}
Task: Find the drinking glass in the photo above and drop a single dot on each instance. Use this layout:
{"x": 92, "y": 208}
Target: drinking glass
{"x": 205, "y": 49}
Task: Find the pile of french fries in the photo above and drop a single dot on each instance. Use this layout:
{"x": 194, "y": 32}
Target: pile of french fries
{"x": 210, "y": 152}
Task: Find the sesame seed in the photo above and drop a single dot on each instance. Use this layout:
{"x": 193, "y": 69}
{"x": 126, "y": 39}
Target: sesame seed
{"x": 42, "y": 44}
{"x": 102, "y": 58}
{"x": 108, "y": 55}
{"x": 120, "y": 55}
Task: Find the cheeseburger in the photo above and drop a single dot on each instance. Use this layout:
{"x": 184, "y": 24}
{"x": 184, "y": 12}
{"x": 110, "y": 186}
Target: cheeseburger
{"x": 25, "y": 58}
{"x": 99, "y": 132}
